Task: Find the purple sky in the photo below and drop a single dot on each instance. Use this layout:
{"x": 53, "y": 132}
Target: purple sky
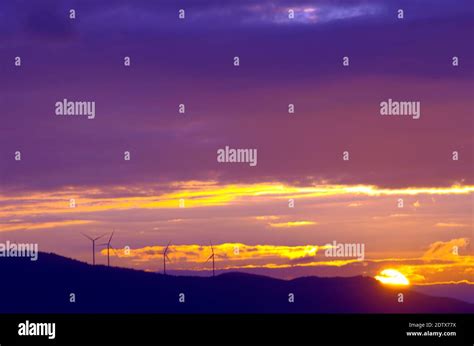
{"x": 191, "y": 62}
{"x": 281, "y": 61}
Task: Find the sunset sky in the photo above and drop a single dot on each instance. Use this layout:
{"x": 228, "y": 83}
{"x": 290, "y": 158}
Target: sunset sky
{"x": 173, "y": 156}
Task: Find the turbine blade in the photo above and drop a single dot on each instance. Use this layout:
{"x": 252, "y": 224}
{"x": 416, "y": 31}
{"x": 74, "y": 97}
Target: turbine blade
{"x": 209, "y": 258}
{"x": 110, "y": 239}
{"x": 85, "y": 235}
{"x": 168, "y": 258}
{"x": 100, "y": 236}
{"x": 166, "y": 249}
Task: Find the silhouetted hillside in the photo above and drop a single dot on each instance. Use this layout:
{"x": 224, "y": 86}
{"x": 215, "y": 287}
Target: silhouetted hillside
{"x": 45, "y": 286}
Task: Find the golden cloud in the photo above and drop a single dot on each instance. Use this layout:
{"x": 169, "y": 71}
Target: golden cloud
{"x": 195, "y": 194}
{"x": 23, "y": 226}
{"x": 291, "y": 224}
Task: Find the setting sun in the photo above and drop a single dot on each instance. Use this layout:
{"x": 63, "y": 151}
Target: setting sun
{"x": 392, "y": 277}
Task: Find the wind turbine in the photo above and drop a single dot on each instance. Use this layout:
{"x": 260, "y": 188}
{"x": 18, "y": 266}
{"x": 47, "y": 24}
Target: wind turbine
{"x": 165, "y": 257}
{"x": 213, "y": 261}
{"x": 93, "y": 245}
{"x": 109, "y": 246}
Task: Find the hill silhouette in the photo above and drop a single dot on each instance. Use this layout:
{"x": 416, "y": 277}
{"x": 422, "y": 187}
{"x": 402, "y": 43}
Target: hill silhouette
{"x": 45, "y": 286}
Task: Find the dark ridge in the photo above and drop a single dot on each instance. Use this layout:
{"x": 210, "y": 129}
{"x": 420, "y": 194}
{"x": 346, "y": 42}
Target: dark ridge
{"x": 44, "y": 286}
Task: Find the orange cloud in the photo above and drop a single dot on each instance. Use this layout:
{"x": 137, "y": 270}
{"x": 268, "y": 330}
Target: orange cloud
{"x": 233, "y": 253}
{"x": 450, "y": 224}
{"x": 442, "y": 262}
{"x": 438, "y": 264}
{"x": 446, "y": 250}
{"x": 195, "y": 194}
{"x": 291, "y": 224}
{"x": 43, "y": 225}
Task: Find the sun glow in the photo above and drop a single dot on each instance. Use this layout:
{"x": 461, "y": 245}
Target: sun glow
{"x": 392, "y": 277}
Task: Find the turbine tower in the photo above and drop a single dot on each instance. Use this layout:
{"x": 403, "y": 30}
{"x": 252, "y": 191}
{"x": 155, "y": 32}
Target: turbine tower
{"x": 213, "y": 261}
{"x": 109, "y": 246}
{"x": 165, "y": 257}
{"x": 93, "y": 245}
